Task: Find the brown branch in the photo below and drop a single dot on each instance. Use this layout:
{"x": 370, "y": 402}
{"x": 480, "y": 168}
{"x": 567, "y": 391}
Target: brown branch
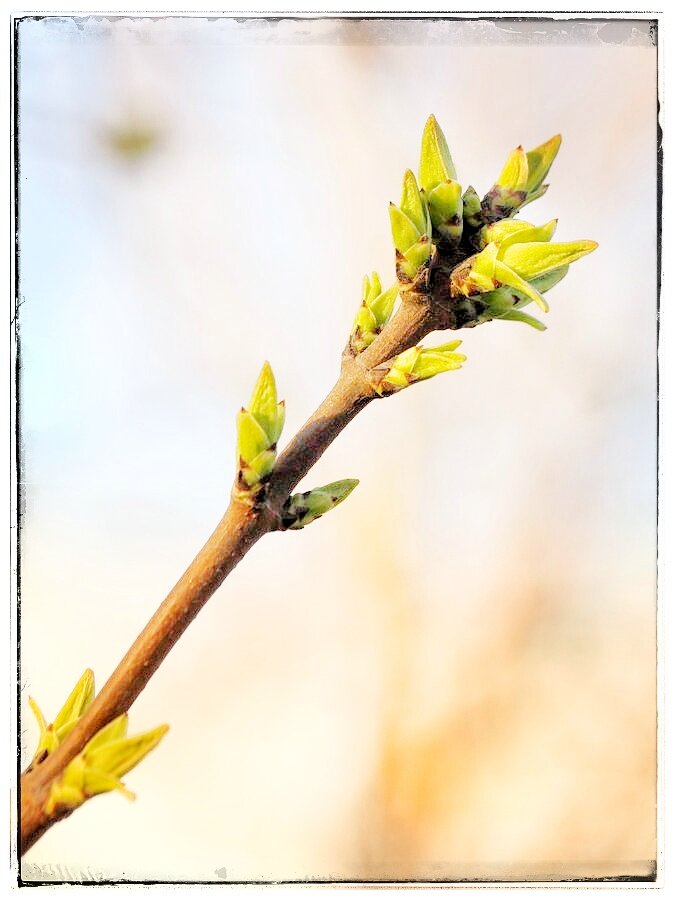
{"x": 235, "y": 534}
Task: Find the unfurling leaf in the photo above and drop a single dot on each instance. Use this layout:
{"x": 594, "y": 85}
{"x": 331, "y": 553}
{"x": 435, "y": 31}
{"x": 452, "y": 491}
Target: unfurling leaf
{"x": 531, "y": 260}
{"x": 108, "y": 756}
{"x": 415, "y": 364}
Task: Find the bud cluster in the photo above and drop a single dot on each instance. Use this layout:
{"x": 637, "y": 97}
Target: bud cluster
{"x": 108, "y": 756}
{"x": 53, "y": 733}
{"x": 259, "y": 427}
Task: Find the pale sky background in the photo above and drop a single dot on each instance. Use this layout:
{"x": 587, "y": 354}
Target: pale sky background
{"x": 454, "y": 672}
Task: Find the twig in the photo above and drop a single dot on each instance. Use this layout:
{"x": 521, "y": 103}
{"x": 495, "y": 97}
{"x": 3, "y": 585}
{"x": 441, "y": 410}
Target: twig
{"x": 241, "y": 526}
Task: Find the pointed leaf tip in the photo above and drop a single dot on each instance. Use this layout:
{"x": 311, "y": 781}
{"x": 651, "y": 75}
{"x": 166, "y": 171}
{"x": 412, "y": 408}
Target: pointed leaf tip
{"x": 514, "y": 174}
{"x": 436, "y": 163}
{"x": 411, "y": 202}
{"x": 540, "y": 160}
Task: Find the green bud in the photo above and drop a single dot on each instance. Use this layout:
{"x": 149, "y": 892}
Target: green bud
{"x": 520, "y": 181}
{"x": 373, "y": 314}
{"x": 258, "y": 430}
{"x": 72, "y": 710}
{"x": 403, "y": 230}
{"x": 98, "y": 768}
{"x": 301, "y": 509}
{"x": 473, "y": 211}
{"x": 416, "y": 364}
{"x": 446, "y": 209}
{"x": 436, "y": 164}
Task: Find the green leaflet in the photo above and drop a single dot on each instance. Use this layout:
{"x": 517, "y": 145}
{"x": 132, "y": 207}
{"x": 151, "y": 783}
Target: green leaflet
{"x": 515, "y": 315}
{"x": 418, "y": 364}
{"x": 530, "y": 260}
{"x": 539, "y": 161}
{"x": 544, "y": 283}
{"x": 412, "y": 203}
{"x": 77, "y": 702}
{"x": 117, "y": 757}
{"x": 506, "y": 275}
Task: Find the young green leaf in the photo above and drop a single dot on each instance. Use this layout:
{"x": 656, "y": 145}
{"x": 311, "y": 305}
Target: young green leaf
{"x": 530, "y": 260}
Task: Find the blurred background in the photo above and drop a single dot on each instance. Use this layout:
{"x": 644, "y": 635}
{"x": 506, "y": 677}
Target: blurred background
{"x": 453, "y": 675}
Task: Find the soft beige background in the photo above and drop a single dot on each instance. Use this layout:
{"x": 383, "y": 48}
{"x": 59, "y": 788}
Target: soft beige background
{"x": 453, "y": 675}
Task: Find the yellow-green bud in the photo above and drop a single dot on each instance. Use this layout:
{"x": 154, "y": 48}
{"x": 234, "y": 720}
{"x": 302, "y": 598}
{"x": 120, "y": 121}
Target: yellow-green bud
{"x": 436, "y": 165}
{"x": 521, "y": 180}
{"x": 258, "y": 430}
{"x": 373, "y": 314}
{"x": 473, "y": 212}
{"x": 411, "y": 231}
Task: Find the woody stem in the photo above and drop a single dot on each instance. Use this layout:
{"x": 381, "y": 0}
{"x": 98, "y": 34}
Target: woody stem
{"x": 238, "y": 530}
